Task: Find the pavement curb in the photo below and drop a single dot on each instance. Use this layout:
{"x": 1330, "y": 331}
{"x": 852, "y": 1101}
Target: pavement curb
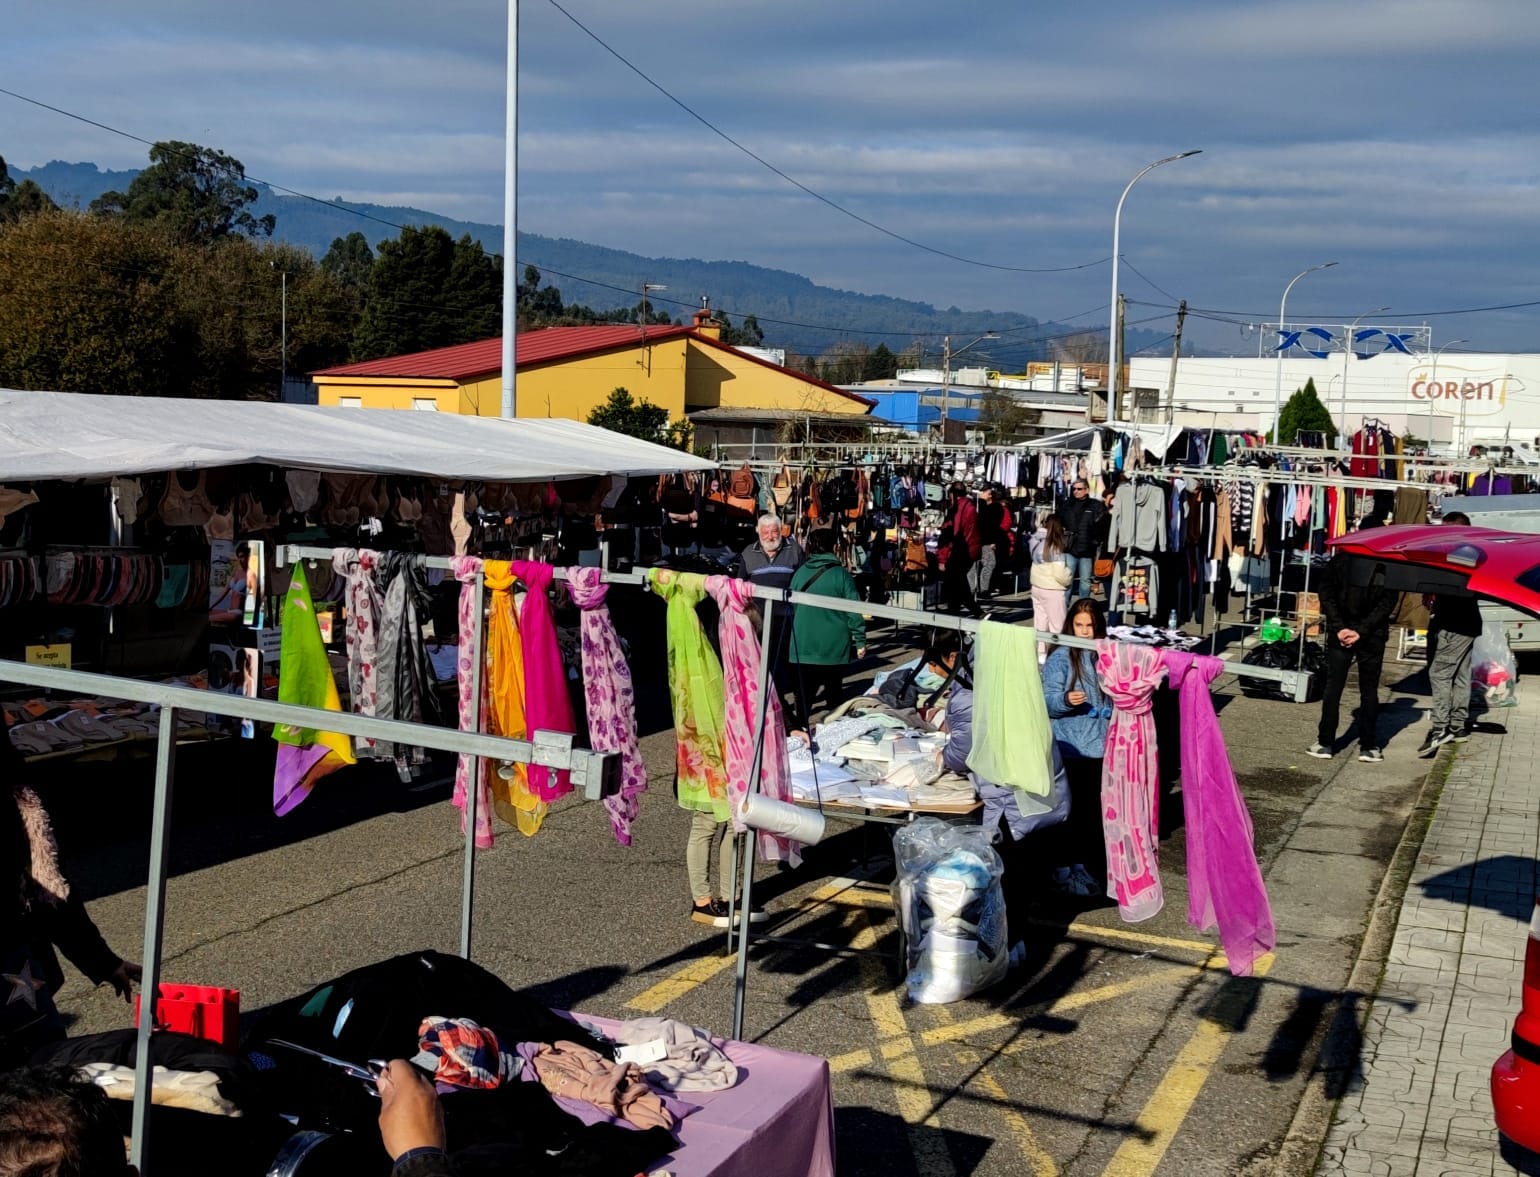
{"x": 1300, "y": 1151}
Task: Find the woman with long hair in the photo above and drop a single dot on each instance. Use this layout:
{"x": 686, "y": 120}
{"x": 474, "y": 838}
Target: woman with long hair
{"x": 1079, "y": 713}
{"x": 1051, "y": 575}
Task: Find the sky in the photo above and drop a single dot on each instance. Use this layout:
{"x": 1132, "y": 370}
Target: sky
{"x": 1395, "y": 137}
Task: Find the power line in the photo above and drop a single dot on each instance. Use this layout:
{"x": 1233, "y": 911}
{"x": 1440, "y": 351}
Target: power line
{"x": 796, "y": 183}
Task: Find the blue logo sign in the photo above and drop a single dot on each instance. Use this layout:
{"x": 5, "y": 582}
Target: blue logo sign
{"x": 1318, "y": 341}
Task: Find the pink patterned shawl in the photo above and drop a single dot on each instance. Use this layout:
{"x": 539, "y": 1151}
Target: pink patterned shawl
{"x": 465, "y": 569}
{"x": 741, "y": 656}
{"x": 1129, "y": 675}
{"x": 610, "y": 695}
{"x": 1224, "y": 883}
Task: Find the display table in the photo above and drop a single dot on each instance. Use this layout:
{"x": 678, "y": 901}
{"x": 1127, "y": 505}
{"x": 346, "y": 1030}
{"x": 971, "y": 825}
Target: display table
{"x": 777, "y": 1121}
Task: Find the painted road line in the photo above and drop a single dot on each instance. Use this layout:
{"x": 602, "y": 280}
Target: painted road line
{"x": 1162, "y": 1115}
{"x": 692, "y": 976}
{"x": 1032, "y": 1150}
{"x": 1129, "y": 936}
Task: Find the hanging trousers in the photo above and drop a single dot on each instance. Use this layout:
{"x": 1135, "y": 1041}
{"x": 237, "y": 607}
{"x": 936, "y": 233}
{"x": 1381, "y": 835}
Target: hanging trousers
{"x": 1369, "y": 653}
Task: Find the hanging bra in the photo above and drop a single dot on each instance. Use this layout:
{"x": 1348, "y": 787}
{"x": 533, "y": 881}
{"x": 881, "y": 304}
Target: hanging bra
{"x": 185, "y": 508}
{"x": 220, "y": 526}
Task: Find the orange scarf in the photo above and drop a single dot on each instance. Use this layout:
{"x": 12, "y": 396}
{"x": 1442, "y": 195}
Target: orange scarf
{"x": 508, "y": 784}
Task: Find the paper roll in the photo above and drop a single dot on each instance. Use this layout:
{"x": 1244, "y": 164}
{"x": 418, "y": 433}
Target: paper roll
{"x": 782, "y": 819}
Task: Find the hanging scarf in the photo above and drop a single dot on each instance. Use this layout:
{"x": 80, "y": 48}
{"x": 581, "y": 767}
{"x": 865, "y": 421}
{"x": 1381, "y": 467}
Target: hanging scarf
{"x": 548, "y": 707}
{"x": 356, "y": 567}
{"x": 403, "y": 673}
{"x": 507, "y": 697}
{"x": 1011, "y": 732}
{"x": 471, "y": 719}
{"x": 697, "y": 690}
{"x": 741, "y": 655}
{"x": 1129, "y": 675}
{"x": 1224, "y": 883}
{"x": 611, "y": 697}
{"x": 305, "y": 679}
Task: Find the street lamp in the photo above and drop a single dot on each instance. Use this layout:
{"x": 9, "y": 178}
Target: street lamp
{"x": 1112, "y": 343}
{"x": 646, "y": 286}
{"x": 1278, "y": 381}
{"x": 946, "y": 371}
{"x": 1433, "y": 380}
{"x": 1347, "y": 355}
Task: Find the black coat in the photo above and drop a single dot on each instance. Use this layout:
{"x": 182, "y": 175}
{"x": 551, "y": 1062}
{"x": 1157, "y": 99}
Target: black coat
{"x": 1082, "y": 522}
{"x": 1365, "y": 609}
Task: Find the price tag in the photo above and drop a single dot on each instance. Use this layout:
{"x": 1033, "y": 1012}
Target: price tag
{"x": 642, "y": 1052}
{"x": 56, "y": 655}
{"x": 324, "y": 620}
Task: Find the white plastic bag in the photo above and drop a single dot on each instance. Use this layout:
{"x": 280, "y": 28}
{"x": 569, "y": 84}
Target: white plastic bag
{"x": 951, "y": 908}
{"x": 1494, "y": 671}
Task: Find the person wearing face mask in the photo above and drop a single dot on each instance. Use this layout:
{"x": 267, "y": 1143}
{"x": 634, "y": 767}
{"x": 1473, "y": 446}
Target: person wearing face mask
{"x": 771, "y": 561}
{"x": 1080, "y": 714}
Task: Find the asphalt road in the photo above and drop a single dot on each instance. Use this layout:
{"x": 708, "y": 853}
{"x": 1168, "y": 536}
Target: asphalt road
{"x": 1112, "y": 1049}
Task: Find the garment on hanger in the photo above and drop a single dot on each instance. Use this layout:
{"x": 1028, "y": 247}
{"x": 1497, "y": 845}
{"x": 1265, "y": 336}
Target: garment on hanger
{"x": 741, "y": 656}
{"x": 185, "y": 506}
{"x": 504, "y": 703}
{"x": 1224, "y": 882}
{"x": 548, "y": 706}
{"x": 611, "y": 697}
{"x": 305, "y": 755}
{"x": 1138, "y": 517}
{"x": 356, "y": 567}
{"x": 1011, "y": 733}
{"x": 697, "y": 688}
{"x": 403, "y": 673}
{"x": 464, "y": 569}
{"x": 1129, "y": 675}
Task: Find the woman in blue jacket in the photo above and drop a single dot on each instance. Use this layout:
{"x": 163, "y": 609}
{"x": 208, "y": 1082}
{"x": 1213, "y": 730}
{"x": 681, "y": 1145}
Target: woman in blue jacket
{"x": 1080, "y": 713}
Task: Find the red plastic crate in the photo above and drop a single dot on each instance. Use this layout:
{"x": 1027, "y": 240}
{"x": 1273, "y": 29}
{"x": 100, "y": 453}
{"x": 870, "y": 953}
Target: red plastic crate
{"x": 200, "y": 1010}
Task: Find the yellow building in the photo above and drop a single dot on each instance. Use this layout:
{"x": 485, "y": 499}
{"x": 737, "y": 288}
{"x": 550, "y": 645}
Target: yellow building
{"x": 570, "y": 371}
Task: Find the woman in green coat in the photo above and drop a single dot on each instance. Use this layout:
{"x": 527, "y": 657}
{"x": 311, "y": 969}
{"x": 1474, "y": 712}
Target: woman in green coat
{"x": 822, "y": 640}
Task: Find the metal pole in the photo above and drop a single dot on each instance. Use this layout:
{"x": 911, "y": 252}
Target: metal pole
{"x": 1278, "y": 380}
{"x": 468, "y": 892}
{"x": 741, "y": 972}
{"x": 1347, "y": 354}
{"x": 510, "y": 404}
{"x": 946, "y": 382}
{"x": 283, "y": 337}
{"x": 154, "y": 925}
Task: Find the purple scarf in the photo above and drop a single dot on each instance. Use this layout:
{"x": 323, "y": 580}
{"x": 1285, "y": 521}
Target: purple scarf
{"x": 1224, "y": 883}
{"x": 547, "y": 706}
{"x": 611, "y": 698}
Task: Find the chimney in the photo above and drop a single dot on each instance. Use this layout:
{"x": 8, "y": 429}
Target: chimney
{"x": 704, "y": 322}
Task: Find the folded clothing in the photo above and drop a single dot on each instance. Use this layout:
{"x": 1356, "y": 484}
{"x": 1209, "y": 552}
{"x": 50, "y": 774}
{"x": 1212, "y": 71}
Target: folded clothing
{"x": 570, "y": 1071}
{"x": 461, "y": 1053}
{"x": 197, "y": 1091}
{"x": 691, "y": 1060}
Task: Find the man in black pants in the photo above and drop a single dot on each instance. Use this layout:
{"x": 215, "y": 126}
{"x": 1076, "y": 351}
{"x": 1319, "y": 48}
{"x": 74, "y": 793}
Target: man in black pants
{"x": 1357, "y": 621}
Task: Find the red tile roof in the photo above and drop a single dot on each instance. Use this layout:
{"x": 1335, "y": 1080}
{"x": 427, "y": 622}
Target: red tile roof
{"x": 544, "y": 346}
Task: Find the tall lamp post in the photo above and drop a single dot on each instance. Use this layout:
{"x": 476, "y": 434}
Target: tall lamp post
{"x": 1347, "y": 355}
{"x": 646, "y": 286}
{"x": 1278, "y": 380}
{"x": 1112, "y": 333}
{"x": 946, "y": 371}
{"x": 1433, "y": 379}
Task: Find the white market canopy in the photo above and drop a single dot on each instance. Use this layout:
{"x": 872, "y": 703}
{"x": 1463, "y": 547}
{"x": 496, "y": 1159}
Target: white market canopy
{"x": 1156, "y": 439}
{"x": 66, "y": 435}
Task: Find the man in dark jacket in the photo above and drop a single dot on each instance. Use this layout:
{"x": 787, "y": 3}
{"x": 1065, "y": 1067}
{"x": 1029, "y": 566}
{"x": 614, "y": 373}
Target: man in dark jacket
{"x": 771, "y": 561}
{"x": 963, "y": 545}
{"x": 1357, "y": 621}
{"x": 1083, "y": 516}
{"x": 1452, "y": 634}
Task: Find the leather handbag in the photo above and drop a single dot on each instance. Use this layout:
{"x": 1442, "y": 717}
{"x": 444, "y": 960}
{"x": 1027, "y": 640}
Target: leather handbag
{"x": 780, "y": 486}
{"x": 1102, "y": 568}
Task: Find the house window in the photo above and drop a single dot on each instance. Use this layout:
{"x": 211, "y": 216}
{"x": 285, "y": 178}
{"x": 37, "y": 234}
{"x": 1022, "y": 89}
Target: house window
{"x": 350, "y": 402}
{"x": 425, "y": 404}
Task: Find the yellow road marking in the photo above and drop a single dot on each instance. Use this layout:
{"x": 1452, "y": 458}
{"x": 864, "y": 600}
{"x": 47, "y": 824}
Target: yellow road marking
{"x": 1167, "y": 1107}
{"x": 692, "y": 976}
{"x": 1204, "y": 946}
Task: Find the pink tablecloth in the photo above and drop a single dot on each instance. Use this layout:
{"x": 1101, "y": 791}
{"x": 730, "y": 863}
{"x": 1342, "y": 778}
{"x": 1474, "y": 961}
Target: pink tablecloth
{"x": 778, "y": 1121}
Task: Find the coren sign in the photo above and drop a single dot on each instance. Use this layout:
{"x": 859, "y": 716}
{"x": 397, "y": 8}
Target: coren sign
{"x": 1454, "y": 390}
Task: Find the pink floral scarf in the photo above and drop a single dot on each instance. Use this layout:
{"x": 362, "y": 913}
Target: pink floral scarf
{"x": 465, "y": 569}
{"x": 1129, "y": 675}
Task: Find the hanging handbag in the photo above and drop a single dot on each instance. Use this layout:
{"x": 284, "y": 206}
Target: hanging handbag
{"x": 780, "y": 486}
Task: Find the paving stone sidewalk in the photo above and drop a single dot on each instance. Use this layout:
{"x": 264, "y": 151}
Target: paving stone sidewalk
{"x": 1420, "y": 1106}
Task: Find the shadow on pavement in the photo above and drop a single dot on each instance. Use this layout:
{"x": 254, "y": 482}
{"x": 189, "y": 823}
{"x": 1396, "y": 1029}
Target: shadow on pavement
{"x": 1504, "y": 884}
{"x": 860, "y": 1134}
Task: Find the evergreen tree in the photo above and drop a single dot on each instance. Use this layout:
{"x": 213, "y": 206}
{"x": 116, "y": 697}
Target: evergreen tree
{"x": 195, "y": 193}
{"x": 1304, "y": 412}
{"x": 622, "y": 413}
{"x": 427, "y": 290}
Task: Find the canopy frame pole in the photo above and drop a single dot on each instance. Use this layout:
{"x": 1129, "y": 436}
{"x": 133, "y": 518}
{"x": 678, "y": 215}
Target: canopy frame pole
{"x": 154, "y": 926}
{"x": 473, "y": 785}
{"x": 746, "y": 885}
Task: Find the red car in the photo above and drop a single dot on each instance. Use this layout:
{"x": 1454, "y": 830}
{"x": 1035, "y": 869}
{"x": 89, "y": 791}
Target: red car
{"x": 1503, "y": 566}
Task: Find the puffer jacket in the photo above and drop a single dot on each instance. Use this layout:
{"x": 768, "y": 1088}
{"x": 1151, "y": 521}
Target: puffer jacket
{"x": 1082, "y": 520}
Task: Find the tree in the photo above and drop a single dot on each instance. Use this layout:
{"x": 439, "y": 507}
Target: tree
{"x": 20, "y": 200}
{"x": 623, "y": 414}
{"x": 844, "y": 362}
{"x": 196, "y": 194}
{"x": 349, "y": 261}
{"x": 881, "y": 364}
{"x": 750, "y": 334}
{"x": 427, "y": 290}
{"x": 1004, "y": 418}
{"x": 538, "y": 306}
{"x": 1304, "y": 412}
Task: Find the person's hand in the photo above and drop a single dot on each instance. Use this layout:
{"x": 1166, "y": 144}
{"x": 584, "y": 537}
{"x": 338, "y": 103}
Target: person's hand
{"x": 410, "y": 1116}
{"x": 860, "y": 653}
{"x": 1347, "y": 636}
{"x": 1075, "y": 698}
{"x": 124, "y": 978}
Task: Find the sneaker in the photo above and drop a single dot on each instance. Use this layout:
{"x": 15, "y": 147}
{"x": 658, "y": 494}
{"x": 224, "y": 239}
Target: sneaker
{"x": 757, "y": 914}
{"x": 1370, "y": 755}
{"x": 712, "y": 913}
{"x": 1432, "y": 741}
{"x": 1458, "y": 737}
{"x": 1082, "y": 883}
{"x": 1319, "y": 751}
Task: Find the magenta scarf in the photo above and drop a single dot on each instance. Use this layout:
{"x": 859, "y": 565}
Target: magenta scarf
{"x": 465, "y": 569}
{"x": 547, "y": 706}
{"x": 741, "y": 656}
{"x": 1224, "y": 883}
{"x": 610, "y": 696}
{"x": 1129, "y": 675}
